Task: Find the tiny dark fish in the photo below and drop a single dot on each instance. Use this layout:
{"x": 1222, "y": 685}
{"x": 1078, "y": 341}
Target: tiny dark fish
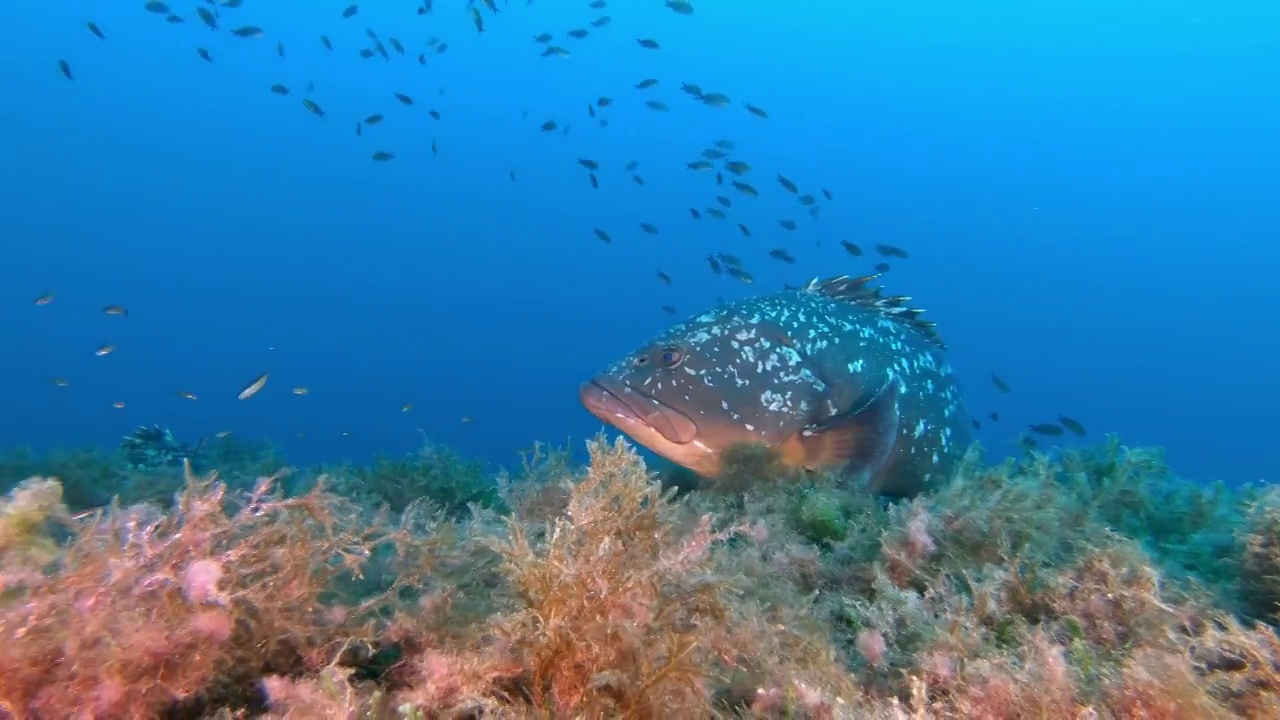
{"x": 882, "y": 267}
{"x": 351, "y": 11}
{"x": 65, "y": 69}
{"x": 207, "y": 17}
{"x": 669, "y": 309}
{"x": 248, "y": 31}
{"x": 204, "y": 54}
{"x": 383, "y": 156}
{"x": 1074, "y": 426}
{"x": 1047, "y": 429}
{"x": 404, "y": 99}
{"x": 1000, "y": 384}
{"x": 326, "y": 42}
{"x": 650, "y": 229}
{"x": 787, "y": 224}
{"x": 604, "y": 236}
{"x": 891, "y": 251}
{"x": 647, "y": 43}
{"x": 783, "y": 255}
{"x": 693, "y": 212}
{"x": 665, "y": 278}
{"x": 279, "y": 89}
{"x": 850, "y": 248}
{"x": 787, "y": 185}
{"x": 995, "y": 416}
{"x": 646, "y": 83}
{"x": 758, "y": 112}
{"x": 93, "y": 28}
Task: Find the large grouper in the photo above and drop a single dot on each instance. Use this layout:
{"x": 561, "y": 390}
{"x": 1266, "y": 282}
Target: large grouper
{"x": 834, "y": 375}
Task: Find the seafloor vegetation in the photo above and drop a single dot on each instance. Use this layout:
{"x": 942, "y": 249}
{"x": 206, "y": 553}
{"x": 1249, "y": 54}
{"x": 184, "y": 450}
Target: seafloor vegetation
{"x": 1084, "y": 584}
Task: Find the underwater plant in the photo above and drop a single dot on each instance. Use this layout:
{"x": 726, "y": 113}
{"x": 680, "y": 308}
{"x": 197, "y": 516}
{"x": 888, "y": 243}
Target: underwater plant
{"x": 146, "y": 613}
{"x": 1025, "y": 589}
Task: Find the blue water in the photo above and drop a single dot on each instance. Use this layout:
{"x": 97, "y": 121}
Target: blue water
{"x": 1087, "y": 190}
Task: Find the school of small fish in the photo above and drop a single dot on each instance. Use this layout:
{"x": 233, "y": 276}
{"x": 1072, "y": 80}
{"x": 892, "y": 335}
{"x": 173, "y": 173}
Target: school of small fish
{"x": 732, "y": 179}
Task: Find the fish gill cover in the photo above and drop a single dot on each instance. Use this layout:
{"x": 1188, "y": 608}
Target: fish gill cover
{"x": 283, "y": 283}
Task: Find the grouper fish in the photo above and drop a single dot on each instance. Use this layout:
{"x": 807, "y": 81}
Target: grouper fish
{"x": 833, "y": 376}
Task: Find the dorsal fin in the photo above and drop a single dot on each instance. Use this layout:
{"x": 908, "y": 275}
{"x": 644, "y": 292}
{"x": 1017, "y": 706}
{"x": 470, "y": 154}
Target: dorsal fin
{"x": 857, "y": 290}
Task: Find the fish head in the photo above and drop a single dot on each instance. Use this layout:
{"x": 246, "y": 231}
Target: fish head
{"x": 724, "y": 378}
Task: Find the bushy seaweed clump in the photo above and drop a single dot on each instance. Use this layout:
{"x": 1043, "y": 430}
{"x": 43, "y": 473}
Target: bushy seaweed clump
{"x": 434, "y": 473}
{"x": 1075, "y": 587}
{"x": 146, "y": 467}
{"x": 145, "y": 612}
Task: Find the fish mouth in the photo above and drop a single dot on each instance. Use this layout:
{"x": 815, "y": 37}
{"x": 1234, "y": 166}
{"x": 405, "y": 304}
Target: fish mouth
{"x": 629, "y": 409}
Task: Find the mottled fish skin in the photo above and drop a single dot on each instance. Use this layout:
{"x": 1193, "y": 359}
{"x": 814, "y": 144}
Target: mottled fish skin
{"x": 792, "y": 370}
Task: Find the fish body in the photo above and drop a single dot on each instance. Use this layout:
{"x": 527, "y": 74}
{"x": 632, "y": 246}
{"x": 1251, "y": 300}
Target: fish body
{"x": 833, "y": 376}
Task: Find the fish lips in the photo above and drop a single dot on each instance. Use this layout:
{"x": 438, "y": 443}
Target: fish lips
{"x": 622, "y": 406}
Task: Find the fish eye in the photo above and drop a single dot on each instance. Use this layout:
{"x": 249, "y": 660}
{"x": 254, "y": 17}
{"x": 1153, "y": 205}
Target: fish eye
{"x": 671, "y": 357}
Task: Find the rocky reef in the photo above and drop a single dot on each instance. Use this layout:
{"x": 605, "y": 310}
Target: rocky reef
{"x": 1075, "y": 584}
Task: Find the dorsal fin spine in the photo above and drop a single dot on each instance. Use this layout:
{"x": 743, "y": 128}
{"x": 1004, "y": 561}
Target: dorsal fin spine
{"x": 857, "y": 291}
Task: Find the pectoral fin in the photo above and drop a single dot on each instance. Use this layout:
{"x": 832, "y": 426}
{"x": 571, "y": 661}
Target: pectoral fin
{"x": 859, "y": 440}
